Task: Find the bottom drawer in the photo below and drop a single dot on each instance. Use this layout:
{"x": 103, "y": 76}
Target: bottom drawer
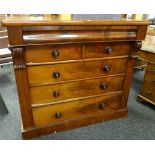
{"x": 75, "y": 109}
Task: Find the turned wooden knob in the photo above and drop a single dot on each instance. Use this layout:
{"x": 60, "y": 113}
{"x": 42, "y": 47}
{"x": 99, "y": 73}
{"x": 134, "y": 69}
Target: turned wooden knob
{"x": 108, "y": 50}
{"x": 153, "y": 81}
{"x": 55, "y": 53}
{"x": 58, "y": 115}
{"x": 103, "y": 85}
{"x": 56, "y": 74}
{"x": 148, "y": 91}
{"x": 102, "y": 105}
{"x": 56, "y": 93}
{"x": 106, "y": 68}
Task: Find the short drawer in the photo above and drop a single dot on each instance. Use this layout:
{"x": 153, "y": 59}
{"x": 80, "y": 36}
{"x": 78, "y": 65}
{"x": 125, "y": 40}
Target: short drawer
{"x": 148, "y": 91}
{"x": 150, "y": 68}
{"x": 150, "y": 74}
{"x": 75, "y": 109}
{"x": 109, "y": 49}
{"x": 52, "y": 53}
{"x": 69, "y": 90}
{"x": 147, "y": 56}
{"x": 150, "y": 78}
{"x": 71, "y": 71}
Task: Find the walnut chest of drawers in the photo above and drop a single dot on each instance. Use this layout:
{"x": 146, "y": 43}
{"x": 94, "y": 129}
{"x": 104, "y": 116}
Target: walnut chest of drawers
{"x": 147, "y": 53}
{"x": 72, "y": 73}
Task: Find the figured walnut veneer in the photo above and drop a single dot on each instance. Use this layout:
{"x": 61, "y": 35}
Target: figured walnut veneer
{"x": 72, "y": 73}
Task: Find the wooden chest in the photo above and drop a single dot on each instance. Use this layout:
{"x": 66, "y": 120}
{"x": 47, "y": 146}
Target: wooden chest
{"x": 72, "y": 73}
{"x": 147, "y": 53}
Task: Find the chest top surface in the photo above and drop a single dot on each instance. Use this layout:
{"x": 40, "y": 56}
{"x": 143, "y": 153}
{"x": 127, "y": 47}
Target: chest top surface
{"x": 49, "y": 21}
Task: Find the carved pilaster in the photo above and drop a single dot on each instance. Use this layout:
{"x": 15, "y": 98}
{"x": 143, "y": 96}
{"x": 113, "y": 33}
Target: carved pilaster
{"x": 19, "y": 66}
{"x": 136, "y": 47}
{"x": 18, "y": 57}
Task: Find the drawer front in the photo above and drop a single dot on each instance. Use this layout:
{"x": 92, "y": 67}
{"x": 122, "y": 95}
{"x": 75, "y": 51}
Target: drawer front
{"x": 75, "y": 109}
{"x": 150, "y": 78}
{"x": 98, "y": 50}
{"x": 150, "y": 74}
{"x": 150, "y": 68}
{"x": 148, "y": 56}
{"x": 71, "y": 71}
{"x": 57, "y": 92}
{"x": 52, "y": 53}
{"x": 148, "y": 91}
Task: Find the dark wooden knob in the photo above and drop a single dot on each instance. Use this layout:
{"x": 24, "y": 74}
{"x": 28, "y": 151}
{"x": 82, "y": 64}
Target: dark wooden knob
{"x": 153, "y": 81}
{"x": 148, "y": 91}
{"x": 55, "y": 53}
{"x": 102, "y": 105}
{"x": 56, "y": 74}
{"x": 58, "y": 115}
{"x": 56, "y": 93}
{"x": 103, "y": 85}
{"x": 106, "y": 68}
{"x": 108, "y": 50}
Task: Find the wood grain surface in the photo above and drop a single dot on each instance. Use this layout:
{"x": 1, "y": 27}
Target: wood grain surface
{"x": 71, "y": 110}
{"x": 70, "y": 71}
{"x": 44, "y": 94}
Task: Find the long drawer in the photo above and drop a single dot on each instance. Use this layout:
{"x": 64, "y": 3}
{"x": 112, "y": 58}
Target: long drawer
{"x": 57, "y": 92}
{"x": 107, "y": 49}
{"x": 52, "y": 53}
{"x": 75, "y": 109}
{"x": 79, "y": 70}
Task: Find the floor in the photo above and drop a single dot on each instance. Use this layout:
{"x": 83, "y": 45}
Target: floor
{"x": 140, "y": 123}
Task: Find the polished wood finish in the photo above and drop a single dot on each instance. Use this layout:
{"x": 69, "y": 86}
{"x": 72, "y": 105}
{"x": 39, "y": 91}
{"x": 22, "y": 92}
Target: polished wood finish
{"x": 147, "y": 53}
{"x": 46, "y": 53}
{"x": 108, "y": 49}
{"x": 150, "y": 73}
{"x": 22, "y": 86}
{"x": 73, "y": 123}
{"x": 75, "y": 36}
{"x": 28, "y": 21}
{"x": 127, "y": 82}
{"x": 147, "y": 56}
{"x": 70, "y": 110}
{"x": 148, "y": 91}
{"x": 36, "y": 29}
{"x": 15, "y": 35}
{"x": 72, "y": 73}
{"x": 44, "y": 94}
{"x": 68, "y": 71}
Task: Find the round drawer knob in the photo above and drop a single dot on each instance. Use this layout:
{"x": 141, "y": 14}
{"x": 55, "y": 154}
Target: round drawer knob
{"x": 55, "y": 53}
{"x": 56, "y": 74}
{"x": 102, "y": 105}
{"x": 58, "y": 115}
{"x": 104, "y": 85}
{"x": 56, "y": 93}
{"x": 106, "y": 68}
{"x": 108, "y": 50}
{"x": 148, "y": 91}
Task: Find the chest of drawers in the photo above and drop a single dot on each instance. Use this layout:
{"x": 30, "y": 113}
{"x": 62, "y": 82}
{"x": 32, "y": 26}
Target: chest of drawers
{"x": 72, "y": 73}
{"x": 147, "y": 53}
